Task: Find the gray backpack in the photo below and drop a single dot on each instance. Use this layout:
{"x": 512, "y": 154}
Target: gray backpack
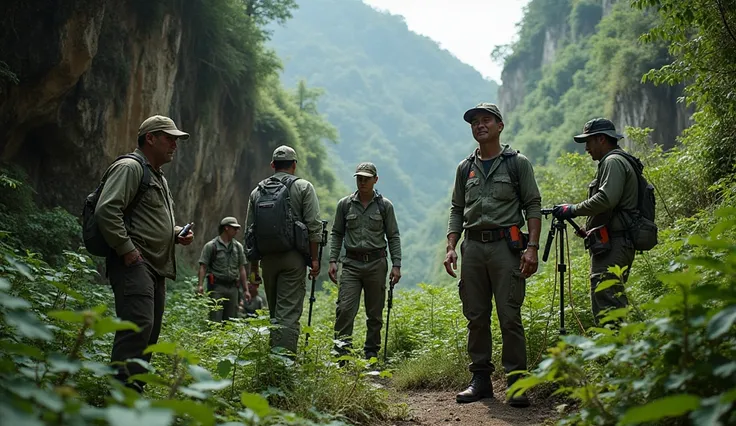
{"x": 275, "y": 229}
{"x": 94, "y": 242}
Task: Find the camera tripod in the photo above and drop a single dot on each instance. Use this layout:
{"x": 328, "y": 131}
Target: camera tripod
{"x": 559, "y": 227}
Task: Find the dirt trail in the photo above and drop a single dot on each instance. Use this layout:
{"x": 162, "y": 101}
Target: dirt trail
{"x": 439, "y": 408}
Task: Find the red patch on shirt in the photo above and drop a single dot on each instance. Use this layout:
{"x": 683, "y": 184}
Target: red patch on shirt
{"x": 471, "y": 174}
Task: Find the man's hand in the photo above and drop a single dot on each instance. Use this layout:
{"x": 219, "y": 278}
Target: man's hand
{"x": 451, "y": 261}
{"x": 332, "y": 272}
{"x": 132, "y": 257}
{"x": 314, "y": 271}
{"x": 395, "y": 275}
{"x": 563, "y": 211}
{"x": 246, "y": 294}
{"x": 200, "y": 289}
{"x": 187, "y": 239}
{"x": 529, "y": 262}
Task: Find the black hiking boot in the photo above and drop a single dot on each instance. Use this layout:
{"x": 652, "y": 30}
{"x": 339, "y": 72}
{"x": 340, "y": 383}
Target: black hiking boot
{"x": 480, "y": 387}
{"x": 517, "y": 401}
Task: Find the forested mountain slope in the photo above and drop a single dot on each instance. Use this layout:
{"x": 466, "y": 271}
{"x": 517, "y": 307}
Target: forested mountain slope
{"x": 395, "y": 97}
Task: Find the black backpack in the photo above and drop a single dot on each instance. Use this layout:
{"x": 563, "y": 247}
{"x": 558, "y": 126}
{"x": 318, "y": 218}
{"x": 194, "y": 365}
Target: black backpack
{"x": 274, "y": 228}
{"x": 641, "y": 227}
{"x": 94, "y": 242}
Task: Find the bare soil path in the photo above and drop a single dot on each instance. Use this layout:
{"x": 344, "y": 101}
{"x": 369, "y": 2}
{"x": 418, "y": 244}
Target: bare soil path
{"x": 429, "y": 408}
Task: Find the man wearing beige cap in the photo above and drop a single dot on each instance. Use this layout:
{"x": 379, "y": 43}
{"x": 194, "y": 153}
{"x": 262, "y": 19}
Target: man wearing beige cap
{"x": 222, "y": 262}
{"x": 283, "y": 233}
{"x": 135, "y": 216}
{"x": 364, "y": 221}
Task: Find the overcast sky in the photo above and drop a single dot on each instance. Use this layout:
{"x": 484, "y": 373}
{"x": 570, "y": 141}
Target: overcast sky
{"x": 467, "y": 28}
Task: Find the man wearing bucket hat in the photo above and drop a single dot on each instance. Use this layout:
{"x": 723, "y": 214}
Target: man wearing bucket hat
{"x": 611, "y": 195}
{"x": 284, "y": 269}
{"x": 494, "y": 191}
{"x": 222, "y": 263}
{"x": 134, "y": 215}
{"x": 365, "y": 221}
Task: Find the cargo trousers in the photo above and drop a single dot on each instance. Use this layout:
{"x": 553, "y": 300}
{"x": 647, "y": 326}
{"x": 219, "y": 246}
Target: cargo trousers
{"x": 140, "y": 297}
{"x": 621, "y": 254}
{"x": 284, "y": 279}
{"x": 370, "y": 278}
{"x": 490, "y": 270}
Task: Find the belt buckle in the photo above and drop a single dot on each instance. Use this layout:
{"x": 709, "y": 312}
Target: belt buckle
{"x": 365, "y": 257}
{"x": 485, "y": 236}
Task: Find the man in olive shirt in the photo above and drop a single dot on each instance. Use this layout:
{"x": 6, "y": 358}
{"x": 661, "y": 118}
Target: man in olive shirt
{"x": 142, "y": 244}
{"x": 223, "y": 262}
{"x": 492, "y": 188}
{"x": 611, "y": 195}
{"x": 284, "y": 273}
{"x": 364, "y": 221}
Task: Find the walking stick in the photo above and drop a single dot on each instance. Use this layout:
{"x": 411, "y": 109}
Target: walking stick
{"x": 388, "y": 317}
{"x": 314, "y": 279}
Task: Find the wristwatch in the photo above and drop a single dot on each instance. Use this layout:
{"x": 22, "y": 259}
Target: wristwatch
{"x": 535, "y": 245}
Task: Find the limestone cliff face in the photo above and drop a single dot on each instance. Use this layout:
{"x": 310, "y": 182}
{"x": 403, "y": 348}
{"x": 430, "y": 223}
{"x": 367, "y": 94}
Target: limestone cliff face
{"x": 90, "y": 72}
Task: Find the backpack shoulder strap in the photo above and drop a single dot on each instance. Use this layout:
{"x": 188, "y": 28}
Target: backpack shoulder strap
{"x": 214, "y": 251}
{"x": 381, "y": 206}
{"x": 142, "y": 187}
{"x": 513, "y": 168}
{"x": 345, "y": 205}
{"x": 466, "y": 167}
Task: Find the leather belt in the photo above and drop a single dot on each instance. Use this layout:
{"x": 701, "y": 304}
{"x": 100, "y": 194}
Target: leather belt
{"x": 365, "y": 256}
{"x": 488, "y": 236}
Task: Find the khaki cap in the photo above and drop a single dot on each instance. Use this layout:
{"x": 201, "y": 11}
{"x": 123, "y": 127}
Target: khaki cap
{"x": 366, "y": 169}
{"x": 483, "y": 106}
{"x": 284, "y": 153}
{"x": 160, "y": 123}
{"x": 230, "y": 221}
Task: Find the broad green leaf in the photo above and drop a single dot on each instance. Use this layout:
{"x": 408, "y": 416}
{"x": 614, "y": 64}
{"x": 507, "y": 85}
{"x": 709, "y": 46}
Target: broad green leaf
{"x": 109, "y": 324}
{"x": 167, "y": 348}
{"x": 99, "y": 369}
{"x": 688, "y": 277}
{"x": 255, "y": 402}
{"x": 28, "y": 391}
{"x": 669, "y": 406}
{"x": 193, "y": 393}
{"x": 224, "y": 367}
{"x": 614, "y": 315}
{"x": 22, "y": 268}
{"x": 709, "y": 414}
{"x": 28, "y": 325}
{"x": 61, "y": 364}
{"x": 68, "y": 316}
{"x": 198, "y": 411}
{"x": 577, "y": 341}
{"x": 725, "y": 370}
{"x": 597, "y": 352}
{"x": 12, "y": 416}
{"x": 210, "y": 385}
{"x": 710, "y": 263}
{"x": 721, "y": 322}
{"x": 199, "y": 373}
{"x": 4, "y": 284}
{"x": 150, "y": 379}
{"x": 120, "y": 416}
{"x": 11, "y": 302}
{"x": 65, "y": 289}
{"x": 21, "y": 349}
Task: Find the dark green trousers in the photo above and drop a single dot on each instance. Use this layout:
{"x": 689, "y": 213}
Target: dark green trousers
{"x": 229, "y": 292}
{"x": 621, "y": 254}
{"x": 140, "y": 297}
{"x": 284, "y": 276}
{"x": 369, "y": 278}
{"x": 488, "y": 271}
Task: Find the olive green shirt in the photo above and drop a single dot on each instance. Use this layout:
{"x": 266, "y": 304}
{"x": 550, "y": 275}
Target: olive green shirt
{"x": 152, "y": 221}
{"x": 304, "y": 204}
{"x": 615, "y": 187}
{"x": 228, "y": 259}
{"x": 483, "y": 201}
{"x": 364, "y": 229}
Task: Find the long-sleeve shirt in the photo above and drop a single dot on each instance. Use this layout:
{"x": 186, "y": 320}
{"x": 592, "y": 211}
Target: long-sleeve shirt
{"x": 304, "y": 204}
{"x": 364, "y": 229}
{"x": 151, "y": 228}
{"x": 615, "y": 187}
{"x": 482, "y": 201}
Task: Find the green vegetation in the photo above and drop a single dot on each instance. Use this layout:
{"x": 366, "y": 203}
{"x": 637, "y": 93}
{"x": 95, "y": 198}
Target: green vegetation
{"x": 397, "y": 100}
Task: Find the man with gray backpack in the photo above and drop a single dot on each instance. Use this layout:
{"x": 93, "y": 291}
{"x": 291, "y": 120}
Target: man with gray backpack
{"x": 282, "y": 236}
{"x": 620, "y": 211}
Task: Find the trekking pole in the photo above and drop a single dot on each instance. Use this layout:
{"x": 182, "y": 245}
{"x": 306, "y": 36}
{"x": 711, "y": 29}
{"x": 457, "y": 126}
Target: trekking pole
{"x": 388, "y": 316}
{"x": 314, "y": 279}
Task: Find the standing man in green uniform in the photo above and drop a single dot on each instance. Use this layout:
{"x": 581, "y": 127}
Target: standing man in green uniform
{"x": 142, "y": 241}
{"x": 284, "y": 273}
{"x": 611, "y": 195}
{"x": 364, "y": 221}
{"x": 222, "y": 262}
{"x": 492, "y": 188}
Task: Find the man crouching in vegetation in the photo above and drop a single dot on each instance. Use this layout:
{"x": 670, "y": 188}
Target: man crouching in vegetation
{"x": 143, "y": 243}
{"x": 492, "y": 187}
{"x": 612, "y": 195}
{"x": 222, "y": 263}
{"x": 364, "y": 221}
